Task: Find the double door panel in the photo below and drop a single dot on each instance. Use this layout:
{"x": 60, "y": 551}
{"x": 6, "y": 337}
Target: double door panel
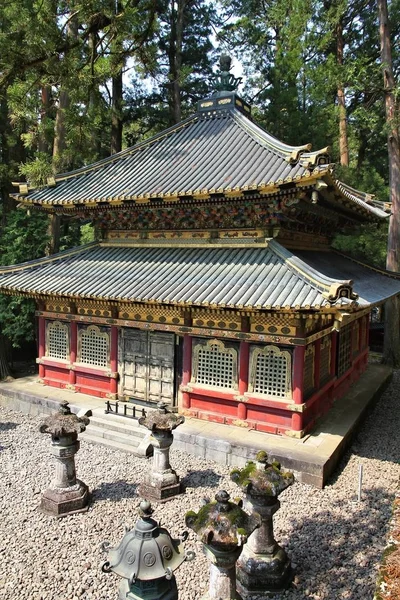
{"x": 147, "y": 365}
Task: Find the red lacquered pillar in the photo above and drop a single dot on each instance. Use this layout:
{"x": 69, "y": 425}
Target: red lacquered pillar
{"x": 186, "y": 368}
{"x": 298, "y": 385}
{"x": 73, "y": 350}
{"x": 243, "y": 377}
{"x": 114, "y": 359}
{"x": 42, "y": 343}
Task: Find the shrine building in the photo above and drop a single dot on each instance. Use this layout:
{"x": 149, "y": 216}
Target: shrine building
{"x": 213, "y": 285}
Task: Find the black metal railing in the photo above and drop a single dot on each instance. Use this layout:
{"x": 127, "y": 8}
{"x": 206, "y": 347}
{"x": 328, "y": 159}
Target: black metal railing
{"x": 124, "y": 410}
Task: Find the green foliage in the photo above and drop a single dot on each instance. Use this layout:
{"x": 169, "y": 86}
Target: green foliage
{"x": 23, "y": 238}
{"x": 367, "y": 243}
{"x": 38, "y": 170}
{"x": 87, "y": 233}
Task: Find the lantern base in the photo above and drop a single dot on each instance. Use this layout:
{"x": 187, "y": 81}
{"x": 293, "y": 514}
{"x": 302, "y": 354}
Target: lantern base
{"x": 159, "y": 493}
{"x": 261, "y": 576}
{"x": 60, "y": 502}
{"x": 154, "y": 589}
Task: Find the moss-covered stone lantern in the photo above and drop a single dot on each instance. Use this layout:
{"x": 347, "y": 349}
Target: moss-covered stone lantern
{"x": 223, "y": 527}
{"x": 264, "y": 568}
{"x": 146, "y": 560}
{"x": 67, "y": 494}
{"x": 162, "y": 483}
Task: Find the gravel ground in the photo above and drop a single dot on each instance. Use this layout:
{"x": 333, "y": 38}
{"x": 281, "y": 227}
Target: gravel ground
{"x": 335, "y": 543}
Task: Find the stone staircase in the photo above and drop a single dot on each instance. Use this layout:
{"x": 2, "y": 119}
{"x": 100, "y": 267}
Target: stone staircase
{"x": 118, "y": 432}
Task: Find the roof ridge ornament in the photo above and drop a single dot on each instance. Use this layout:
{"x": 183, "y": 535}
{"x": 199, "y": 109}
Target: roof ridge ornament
{"x": 223, "y": 80}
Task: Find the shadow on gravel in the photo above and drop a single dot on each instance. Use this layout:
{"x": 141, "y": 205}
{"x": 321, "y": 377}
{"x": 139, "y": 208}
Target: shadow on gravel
{"x": 335, "y": 555}
{"x": 204, "y": 478}
{"x": 8, "y": 426}
{"x": 115, "y": 491}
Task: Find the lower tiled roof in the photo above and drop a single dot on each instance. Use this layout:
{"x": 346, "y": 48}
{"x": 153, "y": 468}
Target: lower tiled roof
{"x": 262, "y": 277}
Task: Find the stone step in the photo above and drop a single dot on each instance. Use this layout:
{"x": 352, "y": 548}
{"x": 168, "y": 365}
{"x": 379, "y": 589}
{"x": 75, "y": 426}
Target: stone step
{"x": 118, "y": 424}
{"x": 116, "y": 445}
{"x": 129, "y": 438}
{"x": 116, "y": 436}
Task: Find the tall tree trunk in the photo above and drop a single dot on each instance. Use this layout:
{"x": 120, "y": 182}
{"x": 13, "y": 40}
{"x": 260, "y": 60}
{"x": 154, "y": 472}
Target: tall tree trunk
{"x": 117, "y": 90}
{"x": 116, "y": 113}
{"x": 63, "y": 102}
{"x": 392, "y": 309}
{"x": 175, "y": 60}
{"x": 44, "y": 144}
{"x": 54, "y": 234}
{"x": 5, "y": 187}
{"x": 343, "y": 141}
{"x": 94, "y": 97}
{"x": 5, "y": 372}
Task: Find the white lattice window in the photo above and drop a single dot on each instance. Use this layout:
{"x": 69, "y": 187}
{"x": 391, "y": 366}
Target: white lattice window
{"x": 93, "y": 346}
{"x": 356, "y": 338}
{"x": 271, "y": 371}
{"x": 344, "y": 351}
{"x": 325, "y": 359}
{"x": 363, "y": 337}
{"x": 57, "y": 340}
{"x": 309, "y": 365}
{"x": 215, "y": 364}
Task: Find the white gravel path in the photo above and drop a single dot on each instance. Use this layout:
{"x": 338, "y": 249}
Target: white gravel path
{"x": 335, "y": 543}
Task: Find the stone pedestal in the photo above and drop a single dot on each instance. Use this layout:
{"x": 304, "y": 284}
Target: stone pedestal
{"x": 162, "y": 483}
{"x": 222, "y": 584}
{"x": 67, "y": 494}
{"x": 263, "y": 568}
{"x": 223, "y": 528}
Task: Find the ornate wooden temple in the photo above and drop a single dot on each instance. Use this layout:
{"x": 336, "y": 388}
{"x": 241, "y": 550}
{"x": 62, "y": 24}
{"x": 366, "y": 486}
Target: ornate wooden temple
{"x": 213, "y": 285}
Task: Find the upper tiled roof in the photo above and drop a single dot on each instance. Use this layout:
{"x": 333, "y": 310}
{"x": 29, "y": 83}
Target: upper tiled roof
{"x": 207, "y": 153}
{"x": 263, "y": 277}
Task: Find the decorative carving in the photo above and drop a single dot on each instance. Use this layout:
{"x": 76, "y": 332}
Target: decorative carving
{"x": 273, "y": 324}
{"x": 58, "y": 307}
{"x": 270, "y": 371}
{"x": 224, "y": 81}
{"x": 152, "y": 314}
{"x": 244, "y": 215}
{"x": 217, "y": 320}
{"x": 337, "y": 291}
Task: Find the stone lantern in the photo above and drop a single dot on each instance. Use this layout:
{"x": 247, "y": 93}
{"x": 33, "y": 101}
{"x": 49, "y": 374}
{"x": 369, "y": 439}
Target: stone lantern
{"x": 264, "y": 568}
{"x": 67, "y": 494}
{"x": 223, "y": 527}
{"x": 146, "y": 559}
{"x": 162, "y": 483}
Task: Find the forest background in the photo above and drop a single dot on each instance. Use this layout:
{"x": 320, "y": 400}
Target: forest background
{"x": 83, "y": 79}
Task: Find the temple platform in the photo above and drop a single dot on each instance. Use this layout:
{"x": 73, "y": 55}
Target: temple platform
{"x": 312, "y": 458}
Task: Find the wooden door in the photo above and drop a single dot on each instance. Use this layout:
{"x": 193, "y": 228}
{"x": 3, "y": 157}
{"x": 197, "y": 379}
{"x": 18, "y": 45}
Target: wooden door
{"x": 147, "y": 365}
